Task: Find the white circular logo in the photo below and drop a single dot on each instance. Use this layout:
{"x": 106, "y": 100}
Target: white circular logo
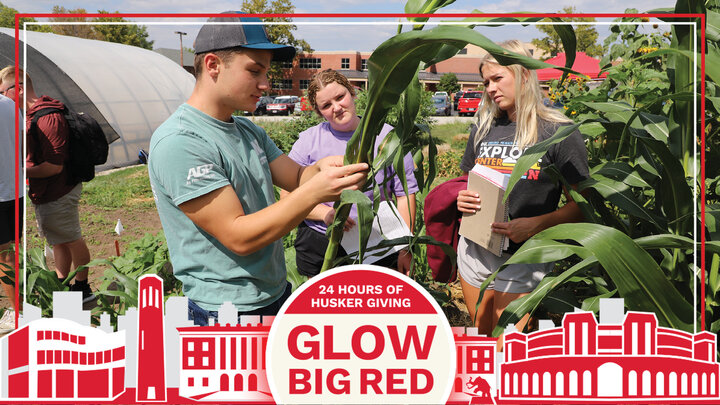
{"x": 361, "y": 334}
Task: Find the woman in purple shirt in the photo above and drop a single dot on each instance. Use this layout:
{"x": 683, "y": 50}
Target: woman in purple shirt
{"x": 333, "y": 97}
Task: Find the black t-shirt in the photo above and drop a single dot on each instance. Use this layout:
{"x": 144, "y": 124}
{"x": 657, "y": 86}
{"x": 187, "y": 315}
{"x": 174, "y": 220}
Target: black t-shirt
{"x": 536, "y": 193}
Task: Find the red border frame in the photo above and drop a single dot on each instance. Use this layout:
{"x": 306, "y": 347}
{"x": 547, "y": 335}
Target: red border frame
{"x": 701, "y": 18}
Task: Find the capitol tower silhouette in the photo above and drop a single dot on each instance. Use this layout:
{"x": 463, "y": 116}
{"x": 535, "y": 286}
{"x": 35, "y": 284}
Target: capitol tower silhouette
{"x": 151, "y": 384}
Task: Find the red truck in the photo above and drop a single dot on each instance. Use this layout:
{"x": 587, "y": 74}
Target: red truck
{"x": 469, "y": 102}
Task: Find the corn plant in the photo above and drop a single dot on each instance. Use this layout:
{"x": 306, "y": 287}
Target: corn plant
{"x": 641, "y": 196}
{"x": 392, "y": 76}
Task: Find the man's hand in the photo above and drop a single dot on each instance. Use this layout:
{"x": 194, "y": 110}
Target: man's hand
{"x": 519, "y": 229}
{"x": 330, "y": 161}
{"x": 468, "y": 201}
{"x": 331, "y": 180}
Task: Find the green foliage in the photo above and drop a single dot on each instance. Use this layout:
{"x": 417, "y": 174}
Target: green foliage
{"x": 285, "y": 133}
{"x": 109, "y": 192}
{"x": 393, "y": 78}
{"x": 73, "y": 30}
{"x": 118, "y": 288}
{"x": 7, "y": 19}
{"x": 42, "y": 281}
{"x": 135, "y": 35}
{"x": 639, "y": 127}
{"x": 586, "y": 37}
{"x": 448, "y": 165}
{"x": 424, "y": 117}
{"x": 449, "y": 83}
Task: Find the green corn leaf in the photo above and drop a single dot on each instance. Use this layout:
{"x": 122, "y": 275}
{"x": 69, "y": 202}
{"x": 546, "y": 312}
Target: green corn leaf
{"x": 539, "y": 250}
{"x": 587, "y": 209}
{"x": 712, "y": 28}
{"x": 712, "y": 60}
{"x": 655, "y": 125}
{"x": 424, "y": 7}
{"x": 639, "y": 279}
{"x": 593, "y": 303}
{"x": 560, "y": 301}
{"x": 569, "y": 42}
{"x": 671, "y": 241}
{"x": 622, "y": 196}
{"x": 31, "y": 280}
{"x": 535, "y": 152}
{"x": 677, "y": 198}
{"x": 527, "y": 304}
{"x": 714, "y": 274}
{"x": 127, "y": 298}
{"x": 500, "y": 20}
{"x": 620, "y": 171}
{"x": 391, "y": 68}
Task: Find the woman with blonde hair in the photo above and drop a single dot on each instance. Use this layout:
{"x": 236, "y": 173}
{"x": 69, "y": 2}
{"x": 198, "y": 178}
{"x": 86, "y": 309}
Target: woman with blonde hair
{"x": 510, "y": 119}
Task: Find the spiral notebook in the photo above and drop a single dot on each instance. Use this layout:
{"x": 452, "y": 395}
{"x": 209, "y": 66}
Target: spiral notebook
{"x": 491, "y": 185}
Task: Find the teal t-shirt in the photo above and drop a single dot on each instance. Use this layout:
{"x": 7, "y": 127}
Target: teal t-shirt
{"x": 192, "y": 154}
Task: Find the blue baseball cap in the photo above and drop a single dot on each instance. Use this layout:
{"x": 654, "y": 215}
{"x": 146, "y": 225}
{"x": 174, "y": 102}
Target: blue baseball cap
{"x": 215, "y": 37}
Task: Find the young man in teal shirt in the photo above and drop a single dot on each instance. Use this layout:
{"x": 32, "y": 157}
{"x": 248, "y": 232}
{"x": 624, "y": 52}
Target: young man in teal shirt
{"x": 212, "y": 175}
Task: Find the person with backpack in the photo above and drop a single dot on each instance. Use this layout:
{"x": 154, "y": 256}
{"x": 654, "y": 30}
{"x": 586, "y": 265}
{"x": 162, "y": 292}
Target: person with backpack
{"x": 54, "y": 193}
{"x": 9, "y": 165}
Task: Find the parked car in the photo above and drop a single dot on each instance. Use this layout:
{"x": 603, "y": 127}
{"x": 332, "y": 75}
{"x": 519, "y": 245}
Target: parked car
{"x": 469, "y": 102}
{"x": 282, "y": 105}
{"x": 456, "y": 99}
{"x": 442, "y": 105}
{"x": 261, "y": 105}
{"x": 441, "y": 93}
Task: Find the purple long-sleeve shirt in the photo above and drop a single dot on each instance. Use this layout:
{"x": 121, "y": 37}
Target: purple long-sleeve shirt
{"x": 322, "y": 140}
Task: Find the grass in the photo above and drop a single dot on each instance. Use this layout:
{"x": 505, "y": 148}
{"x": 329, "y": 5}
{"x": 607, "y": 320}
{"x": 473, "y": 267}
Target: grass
{"x": 446, "y": 134}
{"x": 126, "y": 188}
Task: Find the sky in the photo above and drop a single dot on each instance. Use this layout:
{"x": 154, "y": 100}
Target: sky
{"x": 335, "y": 34}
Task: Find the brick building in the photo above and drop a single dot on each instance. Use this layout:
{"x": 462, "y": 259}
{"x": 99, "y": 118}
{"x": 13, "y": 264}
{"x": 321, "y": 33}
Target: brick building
{"x": 353, "y": 64}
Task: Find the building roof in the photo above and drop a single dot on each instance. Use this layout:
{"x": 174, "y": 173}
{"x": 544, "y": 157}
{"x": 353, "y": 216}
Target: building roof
{"x": 174, "y": 55}
{"x": 584, "y": 64}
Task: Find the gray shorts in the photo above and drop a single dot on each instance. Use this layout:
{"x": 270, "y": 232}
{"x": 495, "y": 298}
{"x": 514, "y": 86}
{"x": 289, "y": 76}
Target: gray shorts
{"x": 59, "y": 220}
{"x": 476, "y": 264}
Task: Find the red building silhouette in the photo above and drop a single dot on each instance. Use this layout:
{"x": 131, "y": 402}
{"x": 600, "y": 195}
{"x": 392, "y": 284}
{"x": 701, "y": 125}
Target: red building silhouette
{"x": 151, "y": 341}
{"x": 224, "y": 363}
{"x": 635, "y": 360}
{"x": 60, "y": 359}
{"x": 475, "y": 374}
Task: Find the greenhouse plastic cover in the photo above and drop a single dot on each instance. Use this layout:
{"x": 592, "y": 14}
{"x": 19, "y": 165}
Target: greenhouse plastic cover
{"x": 129, "y": 90}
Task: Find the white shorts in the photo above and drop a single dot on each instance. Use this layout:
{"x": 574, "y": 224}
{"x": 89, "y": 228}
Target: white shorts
{"x": 476, "y": 264}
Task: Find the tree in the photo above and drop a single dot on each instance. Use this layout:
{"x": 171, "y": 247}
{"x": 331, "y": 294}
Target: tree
{"x": 449, "y": 83}
{"x": 75, "y": 30}
{"x": 586, "y": 38}
{"x": 7, "y": 19}
{"x": 277, "y": 33}
{"x": 131, "y": 34}
{"x": 135, "y": 35}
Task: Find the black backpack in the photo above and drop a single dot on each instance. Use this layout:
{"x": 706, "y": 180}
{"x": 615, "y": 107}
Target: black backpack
{"x": 86, "y": 140}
